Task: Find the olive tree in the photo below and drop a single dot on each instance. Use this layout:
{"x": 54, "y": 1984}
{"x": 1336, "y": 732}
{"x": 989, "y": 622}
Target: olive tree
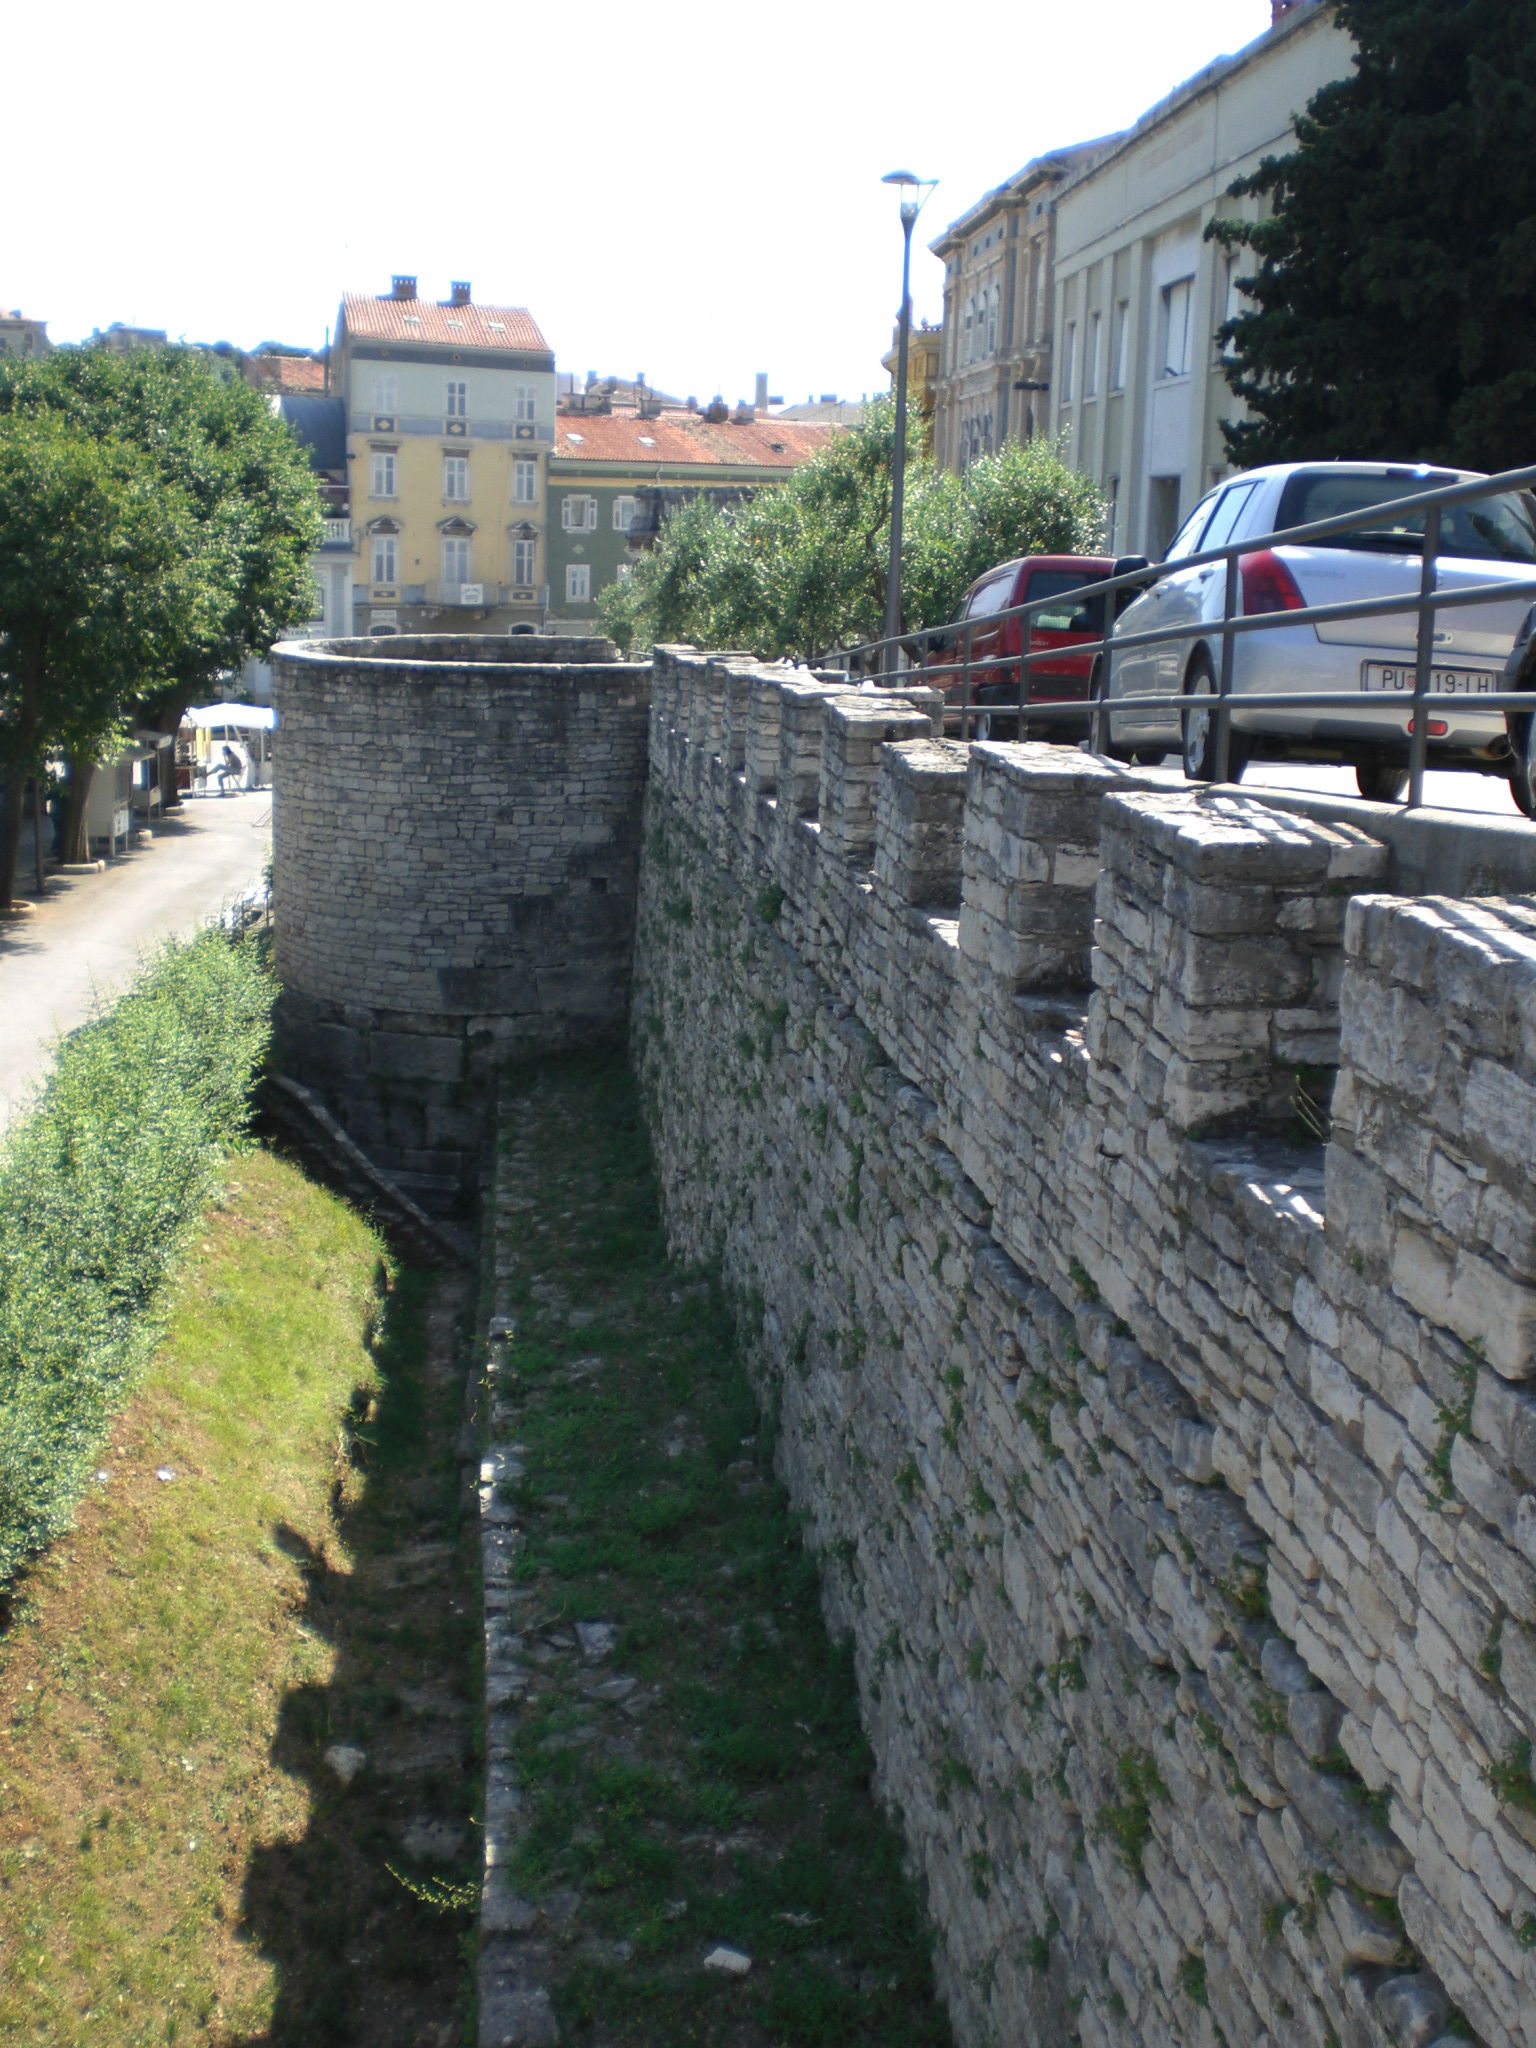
{"x": 800, "y": 567}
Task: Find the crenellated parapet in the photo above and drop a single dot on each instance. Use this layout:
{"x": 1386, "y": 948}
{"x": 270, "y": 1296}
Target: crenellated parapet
{"x": 1129, "y": 1189}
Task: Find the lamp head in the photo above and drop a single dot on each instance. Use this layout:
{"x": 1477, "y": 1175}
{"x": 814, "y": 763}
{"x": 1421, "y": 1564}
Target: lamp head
{"x": 914, "y": 192}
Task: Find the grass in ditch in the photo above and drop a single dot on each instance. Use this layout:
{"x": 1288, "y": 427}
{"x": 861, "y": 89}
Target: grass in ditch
{"x": 268, "y": 1566}
{"x": 708, "y": 1783}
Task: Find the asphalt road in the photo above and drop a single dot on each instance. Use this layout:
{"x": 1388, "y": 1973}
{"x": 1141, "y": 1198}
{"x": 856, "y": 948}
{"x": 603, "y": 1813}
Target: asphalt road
{"x": 89, "y": 932}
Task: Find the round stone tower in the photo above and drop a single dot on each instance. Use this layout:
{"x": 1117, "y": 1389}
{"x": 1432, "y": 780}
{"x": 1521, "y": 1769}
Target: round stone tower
{"x": 456, "y": 843}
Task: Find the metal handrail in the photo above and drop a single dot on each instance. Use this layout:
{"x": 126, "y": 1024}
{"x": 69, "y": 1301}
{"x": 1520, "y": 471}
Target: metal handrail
{"x": 884, "y": 657}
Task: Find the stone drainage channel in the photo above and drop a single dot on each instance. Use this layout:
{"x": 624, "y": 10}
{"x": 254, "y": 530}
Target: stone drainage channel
{"x": 514, "y": 2002}
{"x": 515, "y": 2007}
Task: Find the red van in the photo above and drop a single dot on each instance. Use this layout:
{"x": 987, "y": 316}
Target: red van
{"x": 975, "y": 660}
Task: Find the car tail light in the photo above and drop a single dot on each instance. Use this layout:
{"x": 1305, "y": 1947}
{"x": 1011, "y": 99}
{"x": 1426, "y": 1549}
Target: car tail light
{"x": 1435, "y": 727}
{"x": 1268, "y": 586}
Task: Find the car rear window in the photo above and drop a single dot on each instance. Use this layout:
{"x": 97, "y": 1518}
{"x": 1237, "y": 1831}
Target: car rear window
{"x": 1498, "y": 528}
{"x": 1087, "y": 617}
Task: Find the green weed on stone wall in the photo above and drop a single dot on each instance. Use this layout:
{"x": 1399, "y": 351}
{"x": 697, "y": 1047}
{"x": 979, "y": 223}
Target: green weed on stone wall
{"x": 100, "y": 1185}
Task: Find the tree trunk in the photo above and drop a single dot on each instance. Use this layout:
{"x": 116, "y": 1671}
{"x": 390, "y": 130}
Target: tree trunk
{"x": 164, "y": 713}
{"x": 21, "y": 740}
{"x": 12, "y": 796}
{"x": 82, "y": 773}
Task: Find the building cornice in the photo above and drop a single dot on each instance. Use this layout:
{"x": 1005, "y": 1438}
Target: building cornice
{"x": 1301, "y": 21}
{"x": 438, "y": 354}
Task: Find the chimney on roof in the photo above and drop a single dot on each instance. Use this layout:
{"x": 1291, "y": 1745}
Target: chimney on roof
{"x": 717, "y": 410}
{"x": 402, "y": 288}
{"x": 458, "y": 293}
{"x": 760, "y": 396}
{"x": 743, "y": 415}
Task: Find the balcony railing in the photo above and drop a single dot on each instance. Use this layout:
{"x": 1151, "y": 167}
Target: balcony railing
{"x": 338, "y": 533}
{"x": 450, "y": 596}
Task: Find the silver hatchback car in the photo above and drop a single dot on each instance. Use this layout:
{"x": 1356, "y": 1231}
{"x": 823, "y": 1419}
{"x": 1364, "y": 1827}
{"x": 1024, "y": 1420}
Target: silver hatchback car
{"x": 1484, "y": 540}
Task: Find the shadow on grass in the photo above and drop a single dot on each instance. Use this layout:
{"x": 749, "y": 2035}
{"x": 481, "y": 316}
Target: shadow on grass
{"x": 365, "y": 1916}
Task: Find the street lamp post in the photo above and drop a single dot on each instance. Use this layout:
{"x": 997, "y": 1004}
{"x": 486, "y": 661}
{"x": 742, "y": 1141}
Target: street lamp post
{"x": 914, "y": 194}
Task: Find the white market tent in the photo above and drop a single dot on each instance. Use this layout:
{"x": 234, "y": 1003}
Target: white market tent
{"x": 244, "y": 717}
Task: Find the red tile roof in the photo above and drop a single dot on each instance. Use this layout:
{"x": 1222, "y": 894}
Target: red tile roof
{"x": 407, "y": 320}
{"x": 287, "y": 373}
{"x": 685, "y": 439}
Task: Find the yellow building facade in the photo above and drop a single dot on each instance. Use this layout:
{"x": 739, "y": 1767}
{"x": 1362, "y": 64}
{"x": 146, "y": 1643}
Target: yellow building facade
{"x": 450, "y": 411}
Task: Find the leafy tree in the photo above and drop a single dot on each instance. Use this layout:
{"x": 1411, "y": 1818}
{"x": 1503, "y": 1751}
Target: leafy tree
{"x": 1394, "y": 302}
{"x": 243, "y": 484}
{"x": 1022, "y": 500}
{"x": 801, "y": 568}
{"x": 94, "y": 583}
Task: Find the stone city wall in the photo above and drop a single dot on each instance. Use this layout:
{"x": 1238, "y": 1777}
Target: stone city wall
{"x": 1128, "y": 1196}
{"x": 455, "y": 867}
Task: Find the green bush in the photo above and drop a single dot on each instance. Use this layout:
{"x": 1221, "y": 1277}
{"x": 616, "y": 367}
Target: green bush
{"x": 100, "y": 1185}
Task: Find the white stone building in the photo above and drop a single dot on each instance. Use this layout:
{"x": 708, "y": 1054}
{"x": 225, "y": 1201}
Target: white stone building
{"x": 1137, "y": 388}
{"x": 995, "y": 358}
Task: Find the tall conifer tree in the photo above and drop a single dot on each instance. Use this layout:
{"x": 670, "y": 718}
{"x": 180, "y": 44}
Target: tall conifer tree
{"x": 1393, "y": 310}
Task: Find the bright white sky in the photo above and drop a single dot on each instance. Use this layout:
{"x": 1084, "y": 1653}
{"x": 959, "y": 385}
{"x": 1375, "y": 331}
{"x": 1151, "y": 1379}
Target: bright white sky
{"x": 686, "y": 189}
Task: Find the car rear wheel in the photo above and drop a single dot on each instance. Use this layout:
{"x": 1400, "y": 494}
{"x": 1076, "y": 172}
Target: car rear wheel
{"x": 1380, "y": 783}
{"x": 1096, "y": 697}
{"x": 1522, "y": 769}
{"x": 1199, "y": 727}
{"x": 993, "y": 725}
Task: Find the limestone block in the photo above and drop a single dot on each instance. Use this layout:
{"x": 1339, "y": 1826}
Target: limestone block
{"x": 1194, "y": 1625}
{"x": 1314, "y": 1719}
{"x": 856, "y": 728}
{"x": 1214, "y": 974}
{"x": 1223, "y": 1537}
{"x": 415, "y": 1056}
{"x": 919, "y": 814}
{"x": 1194, "y": 1450}
{"x": 1517, "y": 1669}
{"x": 1412, "y": 2009}
{"x": 1369, "y": 1855}
{"x": 798, "y": 776}
{"x": 1364, "y": 1936}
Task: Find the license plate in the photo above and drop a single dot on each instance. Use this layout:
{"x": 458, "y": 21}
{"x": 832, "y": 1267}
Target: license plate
{"x": 1455, "y": 682}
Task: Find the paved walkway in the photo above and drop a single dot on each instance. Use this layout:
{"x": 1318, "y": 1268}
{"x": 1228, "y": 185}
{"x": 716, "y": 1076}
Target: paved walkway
{"x": 89, "y": 932}
{"x": 1444, "y": 789}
